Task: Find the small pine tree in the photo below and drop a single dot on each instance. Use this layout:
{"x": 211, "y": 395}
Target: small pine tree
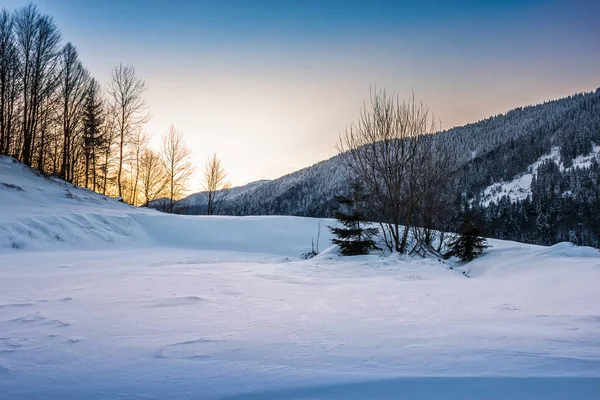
{"x": 353, "y": 239}
{"x": 468, "y": 245}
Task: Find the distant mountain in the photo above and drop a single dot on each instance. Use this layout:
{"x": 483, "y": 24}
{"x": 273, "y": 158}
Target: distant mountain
{"x": 307, "y": 192}
{"x": 491, "y": 154}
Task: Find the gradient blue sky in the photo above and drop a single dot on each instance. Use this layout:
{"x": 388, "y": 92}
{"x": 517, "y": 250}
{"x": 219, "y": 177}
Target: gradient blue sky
{"x": 269, "y": 85}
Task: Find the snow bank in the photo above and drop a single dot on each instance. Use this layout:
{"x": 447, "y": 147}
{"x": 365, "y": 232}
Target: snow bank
{"x": 281, "y": 235}
{"x": 569, "y": 250}
{"x": 39, "y": 213}
{"x": 69, "y": 230}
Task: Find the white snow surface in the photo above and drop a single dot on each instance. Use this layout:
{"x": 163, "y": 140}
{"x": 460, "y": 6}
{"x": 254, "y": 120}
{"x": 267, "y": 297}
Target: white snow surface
{"x": 100, "y": 300}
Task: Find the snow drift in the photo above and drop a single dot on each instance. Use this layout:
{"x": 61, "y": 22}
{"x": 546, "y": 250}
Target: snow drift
{"x": 39, "y": 213}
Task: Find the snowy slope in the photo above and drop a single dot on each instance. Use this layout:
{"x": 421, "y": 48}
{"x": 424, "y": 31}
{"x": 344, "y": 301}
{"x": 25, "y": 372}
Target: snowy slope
{"x": 38, "y": 213}
{"x": 520, "y": 187}
{"x": 195, "y": 307}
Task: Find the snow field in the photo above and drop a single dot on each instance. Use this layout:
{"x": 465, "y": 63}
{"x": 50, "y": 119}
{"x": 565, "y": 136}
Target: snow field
{"x": 131, "y": 303}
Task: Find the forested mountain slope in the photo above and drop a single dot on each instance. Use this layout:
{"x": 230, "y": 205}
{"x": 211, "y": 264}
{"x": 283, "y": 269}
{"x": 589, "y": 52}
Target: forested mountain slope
{"x": 491, "y": 152}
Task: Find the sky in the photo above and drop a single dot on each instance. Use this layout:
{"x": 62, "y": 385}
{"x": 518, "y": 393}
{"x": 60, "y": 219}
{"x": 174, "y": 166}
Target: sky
{"x": 270, "y": 85}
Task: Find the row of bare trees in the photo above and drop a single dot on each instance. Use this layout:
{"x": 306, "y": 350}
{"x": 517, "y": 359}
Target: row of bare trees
{"x": 53, "y": 114}
{"x": 56, "y": 117}
{"x": 391, "y": 153}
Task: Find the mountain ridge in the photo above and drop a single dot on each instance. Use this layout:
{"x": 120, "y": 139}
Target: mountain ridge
{"x": 310, "y": 191}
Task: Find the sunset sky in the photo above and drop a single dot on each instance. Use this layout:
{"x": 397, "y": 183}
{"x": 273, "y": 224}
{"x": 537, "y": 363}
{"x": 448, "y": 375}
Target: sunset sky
{"x": 269, "y": 85}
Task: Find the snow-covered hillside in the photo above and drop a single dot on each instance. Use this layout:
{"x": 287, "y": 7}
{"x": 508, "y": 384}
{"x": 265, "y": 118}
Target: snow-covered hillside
{"x": 309, "y": 191}
{"x": 520, "y": 187}
{"x": 38, "y": 213}
{"x": 491, "y": 154}
{"x": 196, "y": 203}
{"x": 133, "y": 303}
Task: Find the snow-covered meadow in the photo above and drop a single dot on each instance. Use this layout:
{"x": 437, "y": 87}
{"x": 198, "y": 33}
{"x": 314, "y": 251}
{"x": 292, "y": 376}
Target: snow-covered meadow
{"x": 100, "y": 300}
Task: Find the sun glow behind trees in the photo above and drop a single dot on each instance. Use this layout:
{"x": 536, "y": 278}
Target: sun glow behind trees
{"x": 56, "y": 117}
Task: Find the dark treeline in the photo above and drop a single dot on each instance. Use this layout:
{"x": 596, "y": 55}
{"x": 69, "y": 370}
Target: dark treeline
{"x": 564, "y": 200}
{"x": 563, "y": 206}
{"x": 571, "y": 124}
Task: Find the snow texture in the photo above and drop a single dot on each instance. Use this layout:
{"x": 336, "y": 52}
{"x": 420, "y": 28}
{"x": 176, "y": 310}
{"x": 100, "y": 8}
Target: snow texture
{"x": 100, "y": 300}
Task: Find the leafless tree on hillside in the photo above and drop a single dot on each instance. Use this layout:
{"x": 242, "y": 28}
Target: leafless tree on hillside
{"x": 110, "y": 137}
{"x": 74, "y": 80}
{"x": 176, "y": 160}
{"x": 126, "y": 91}
{"x": 9, "y": 83}
{"x": 139, "y": 145}
{"x": 214, "y": 182}
{"x": 37, "y": 40}
{"x": 153, "y": 179}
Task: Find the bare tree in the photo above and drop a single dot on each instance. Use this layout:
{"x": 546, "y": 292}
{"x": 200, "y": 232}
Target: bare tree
{"x": 50, "y": 136}
{"x": 153, "y": 179}
{"x": 176, "y": 160}
{"x": 74, "y": 80}
{"x": 9, "y": 83}
{"x": 126, "y": 91}
{"x": 53, "y": 119}
{"x": 37, "y": 40}
{"x": 384, "y": 150}
{"x": 139, "y": 145}
{"x": 436, "y": 178}
{"x": 110, "y": 136}
{"x": 214, "y": 182}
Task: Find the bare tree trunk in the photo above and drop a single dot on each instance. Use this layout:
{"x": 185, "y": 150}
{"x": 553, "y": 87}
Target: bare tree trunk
{"x": 175, "y": 157}
{"x": 214, "y": 182}
{"x": 153, "y": 177}
{"x": 37, "y": 39}
{"x": 73, "y": 85}
{"x": 126, "y": 91}
{"x": 7, "y": 78}
{"x": 381, "y": 151}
